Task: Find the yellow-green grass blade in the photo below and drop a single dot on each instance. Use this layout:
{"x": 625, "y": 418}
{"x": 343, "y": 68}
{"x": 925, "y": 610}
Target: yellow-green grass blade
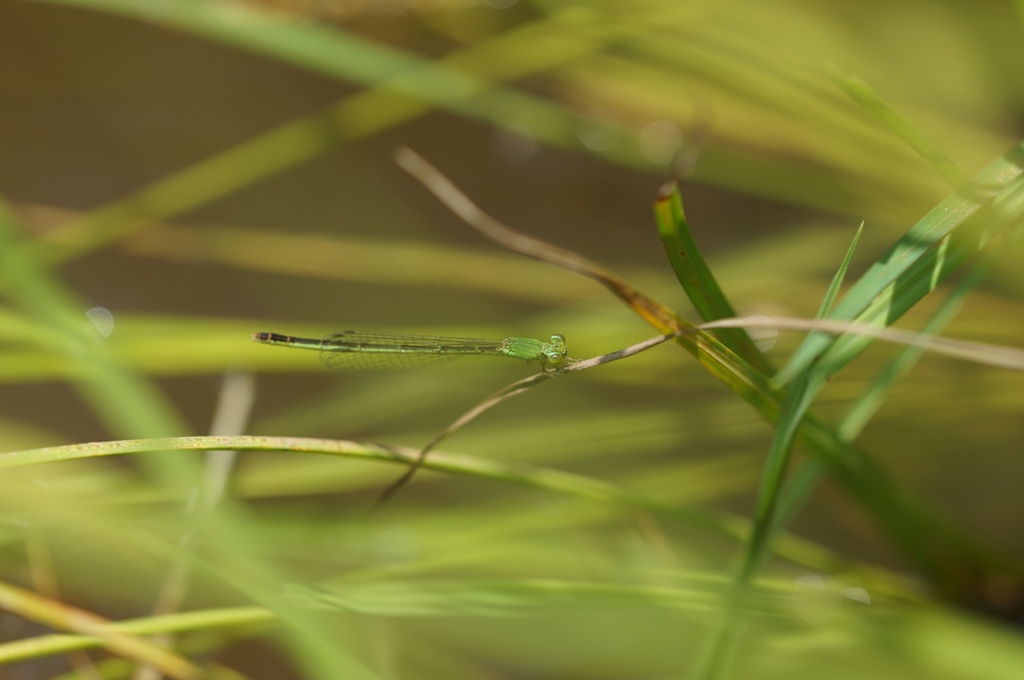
{"x": 209, "y": 619}
{"x": 60, "y": 616}
{"x": 605, "y": 494}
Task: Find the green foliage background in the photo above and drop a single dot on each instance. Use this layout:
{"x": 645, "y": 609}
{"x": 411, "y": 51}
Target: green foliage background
{"x": 203, "y": 171}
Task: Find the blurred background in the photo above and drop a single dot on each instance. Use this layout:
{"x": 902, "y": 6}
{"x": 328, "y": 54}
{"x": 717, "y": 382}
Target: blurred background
{"x": 185, "y": 174}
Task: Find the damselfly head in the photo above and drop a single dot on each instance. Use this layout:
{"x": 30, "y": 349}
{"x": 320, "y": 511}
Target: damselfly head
{"x": 555, "y": 351}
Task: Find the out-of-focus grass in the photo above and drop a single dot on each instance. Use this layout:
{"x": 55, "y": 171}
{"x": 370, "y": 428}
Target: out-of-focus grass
{"x": 487, "y": 567}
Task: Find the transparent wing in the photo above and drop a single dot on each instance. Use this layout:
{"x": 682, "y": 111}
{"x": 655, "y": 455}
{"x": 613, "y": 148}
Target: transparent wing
{"x": 370, "y": 352}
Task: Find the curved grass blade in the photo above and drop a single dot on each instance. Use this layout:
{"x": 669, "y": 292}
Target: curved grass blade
{"x": 555, "y": 481}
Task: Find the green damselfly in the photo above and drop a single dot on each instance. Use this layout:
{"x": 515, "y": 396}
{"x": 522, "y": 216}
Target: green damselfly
{"x": 379, "y": 352}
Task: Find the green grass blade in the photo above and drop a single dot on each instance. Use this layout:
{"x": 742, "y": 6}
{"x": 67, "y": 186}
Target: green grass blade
{"x": 717, "y": 656}
{"x": 837, "y": 281}
{"x": 858, "y": 416}
{"x": 805, "y": 479}
{"x": 925, "y": 275}
{"x": 714, "y": 661}
{"x": 923, "y": 257}
{"x": 807, "y": 476}
{"x": 696, "y": 277}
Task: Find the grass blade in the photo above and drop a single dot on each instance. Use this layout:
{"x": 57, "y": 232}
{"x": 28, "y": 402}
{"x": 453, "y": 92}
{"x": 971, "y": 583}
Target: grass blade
{"x": 696, "y": 277}
{"x": 63, "y": 617}
{"x": 837, "y": 281}
{"x": 923, "y": 257}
